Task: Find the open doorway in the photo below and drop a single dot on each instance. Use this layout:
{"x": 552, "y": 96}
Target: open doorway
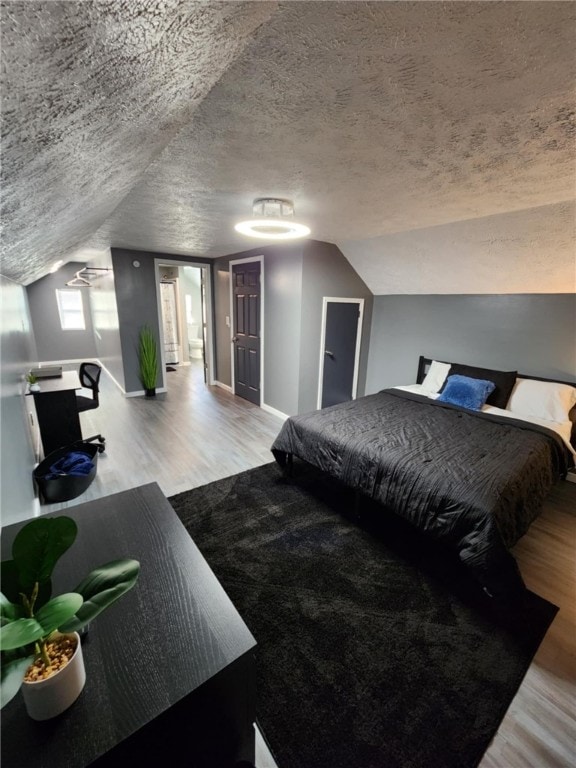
{"x": 183, "y": 312}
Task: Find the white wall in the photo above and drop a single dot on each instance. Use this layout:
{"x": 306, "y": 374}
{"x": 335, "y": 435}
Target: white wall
{"x": 17, "y": 355}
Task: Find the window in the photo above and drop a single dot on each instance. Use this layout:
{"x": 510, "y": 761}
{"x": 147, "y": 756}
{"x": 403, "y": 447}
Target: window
{"x": 71, "y": 310}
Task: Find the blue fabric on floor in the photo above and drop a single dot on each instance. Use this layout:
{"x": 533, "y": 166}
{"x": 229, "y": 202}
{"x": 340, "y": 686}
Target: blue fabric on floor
{"x": 74, "y": 463}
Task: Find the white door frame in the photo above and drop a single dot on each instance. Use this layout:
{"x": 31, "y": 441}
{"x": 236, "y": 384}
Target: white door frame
{"x": 337, "y": 300}
{"x": 209, "y": 351}
{"x": 231, "y": 264}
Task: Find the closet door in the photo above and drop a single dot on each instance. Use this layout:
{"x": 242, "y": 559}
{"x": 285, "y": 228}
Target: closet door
{"x": 340, "y": 350}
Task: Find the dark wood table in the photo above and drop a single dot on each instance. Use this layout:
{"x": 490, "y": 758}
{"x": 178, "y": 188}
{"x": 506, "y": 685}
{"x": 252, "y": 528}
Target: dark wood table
{"x": 170, "y": 667}
{"x": 57, "y": 411}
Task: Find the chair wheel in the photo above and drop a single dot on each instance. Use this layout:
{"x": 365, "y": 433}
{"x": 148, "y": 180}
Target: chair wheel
{"x": 101, "y": 439}
{"x": 101, "y": 448}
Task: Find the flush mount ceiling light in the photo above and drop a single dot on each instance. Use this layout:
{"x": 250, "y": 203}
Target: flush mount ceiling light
{"x": 272, "y": 220}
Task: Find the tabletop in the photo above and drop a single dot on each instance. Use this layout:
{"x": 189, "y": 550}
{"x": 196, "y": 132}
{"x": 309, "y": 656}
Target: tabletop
{"x": 163, "y": 639}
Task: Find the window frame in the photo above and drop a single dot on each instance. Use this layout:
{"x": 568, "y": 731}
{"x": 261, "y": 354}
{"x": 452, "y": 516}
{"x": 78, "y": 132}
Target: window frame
{"x": 68, "y": 315}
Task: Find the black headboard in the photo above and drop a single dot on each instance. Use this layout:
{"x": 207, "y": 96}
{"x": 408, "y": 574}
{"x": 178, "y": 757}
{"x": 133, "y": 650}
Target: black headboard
{"x": 424, "y": 363}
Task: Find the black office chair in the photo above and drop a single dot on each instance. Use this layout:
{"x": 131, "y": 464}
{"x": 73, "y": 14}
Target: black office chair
{"x": 89, "y": 374}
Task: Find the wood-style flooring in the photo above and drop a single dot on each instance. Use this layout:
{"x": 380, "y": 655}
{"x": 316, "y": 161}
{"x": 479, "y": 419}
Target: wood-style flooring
{"x": 195, "y": 434}
{"x": 188, "y": 436}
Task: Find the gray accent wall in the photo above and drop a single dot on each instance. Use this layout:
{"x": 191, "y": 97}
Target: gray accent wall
{"x": 531, "y": 333}
{"x": 52, "y": 342}
{"x": 283, "y": 332}
{"x": 281, "y": 326}
{"x": 137, "y": 303}
{"x": 296, "y": 278}
{"x": 17, "y": 355}
{"x": 327, "y": 273}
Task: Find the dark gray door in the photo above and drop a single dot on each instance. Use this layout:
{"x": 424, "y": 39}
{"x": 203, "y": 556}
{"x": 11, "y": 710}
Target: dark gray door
{"x": 340, "y": 338}
{"x": 246, "y": 339}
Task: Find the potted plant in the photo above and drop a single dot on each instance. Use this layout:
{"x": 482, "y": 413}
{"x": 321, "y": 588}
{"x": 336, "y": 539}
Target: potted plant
{"x": 32, "y": 382}
{"x": 39, "y": 640}
{"x": 148, "y": 358}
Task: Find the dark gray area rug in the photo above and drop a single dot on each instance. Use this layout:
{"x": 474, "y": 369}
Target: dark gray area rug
{"x": 375, "y": 649}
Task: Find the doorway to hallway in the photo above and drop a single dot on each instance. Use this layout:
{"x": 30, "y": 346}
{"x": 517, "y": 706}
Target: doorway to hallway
{"x": 184, "y": 312}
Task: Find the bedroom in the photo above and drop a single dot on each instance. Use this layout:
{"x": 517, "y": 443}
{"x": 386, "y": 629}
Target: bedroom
{"x": 461, "y": 225}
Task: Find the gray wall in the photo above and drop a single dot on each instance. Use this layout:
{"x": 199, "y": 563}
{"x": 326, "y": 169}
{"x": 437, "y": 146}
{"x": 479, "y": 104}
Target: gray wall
{"x": 327, "y": 273}
{"x": 105, "y": 320}
{"x": 52, "y": 343}
{"x": 222, "y": 333}
{"x": 137, "y": 303}
{"x": 282, "y": 318}
{"x": 530, "y": 333}
{"x": 296, "y": 278}
{"x": 137, "y": 306}
{"x": 283, "y": 326}
{"x": 17, "y": 355}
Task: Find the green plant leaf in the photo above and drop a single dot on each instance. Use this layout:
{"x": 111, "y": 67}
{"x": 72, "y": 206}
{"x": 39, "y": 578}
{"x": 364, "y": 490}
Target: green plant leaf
{"x": 19, "y": 633}
{"x": 9, "y": 611}
{"x": 12, "y": 676}
{"x": 148, "y": 358}
{"x": 102, "y": 587}
{"x": 12, "y": 588}
{"x": 38, "y": 547}
{"x": 58, "y": 610}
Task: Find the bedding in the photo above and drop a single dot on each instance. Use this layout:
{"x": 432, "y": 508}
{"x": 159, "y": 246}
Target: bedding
{"x": 467, "y": 392}
{"x": 474, "y": 480}
{"x": 545, "y": 400}
{"x": 503, "y": 381}
{"x": 436, "y": 376}
{"x": 564, "y": 428}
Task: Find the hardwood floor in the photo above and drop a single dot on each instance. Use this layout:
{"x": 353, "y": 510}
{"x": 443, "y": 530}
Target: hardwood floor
{"x": 190, "y": 435}
{"x": 195, "y": 434}
{"x": 539, "y": 730}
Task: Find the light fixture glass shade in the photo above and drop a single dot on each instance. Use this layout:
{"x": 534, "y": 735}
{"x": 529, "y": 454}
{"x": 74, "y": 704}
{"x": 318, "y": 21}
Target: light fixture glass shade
{"x": 272, "y": 221}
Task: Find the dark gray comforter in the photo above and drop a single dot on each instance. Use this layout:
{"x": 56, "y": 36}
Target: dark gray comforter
{"x": 471, "y": 480}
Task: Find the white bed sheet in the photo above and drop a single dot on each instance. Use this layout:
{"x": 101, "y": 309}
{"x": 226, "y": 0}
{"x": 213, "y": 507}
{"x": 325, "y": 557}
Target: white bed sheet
{"x": 563, "y": 429}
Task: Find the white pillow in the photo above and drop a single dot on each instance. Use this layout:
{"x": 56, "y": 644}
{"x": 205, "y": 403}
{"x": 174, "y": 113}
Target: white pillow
{"x": 436, "y": 376}
{"x": 542, "y": 399}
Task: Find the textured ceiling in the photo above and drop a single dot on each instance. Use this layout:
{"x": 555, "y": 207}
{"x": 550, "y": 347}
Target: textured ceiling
{"x": 153, "y": 125}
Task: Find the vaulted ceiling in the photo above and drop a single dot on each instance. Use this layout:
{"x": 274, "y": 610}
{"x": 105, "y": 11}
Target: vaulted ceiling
{"x": 392, "y": 125}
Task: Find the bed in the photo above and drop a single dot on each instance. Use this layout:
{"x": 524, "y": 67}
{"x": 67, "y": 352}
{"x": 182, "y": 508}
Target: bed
{"x": 471, "y": 477}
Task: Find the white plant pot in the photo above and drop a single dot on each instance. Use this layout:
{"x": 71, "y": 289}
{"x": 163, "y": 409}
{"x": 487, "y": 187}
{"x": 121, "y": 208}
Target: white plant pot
{"x": 48, "y": 698}
{"x": 34, "y": 387}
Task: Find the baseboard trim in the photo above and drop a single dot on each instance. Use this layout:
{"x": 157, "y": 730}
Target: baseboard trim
{"x": 142, "y": 392}
{"x": 115, "y": 381}
{"x": 223, "y": 386}
{"x": 274, "y": 411}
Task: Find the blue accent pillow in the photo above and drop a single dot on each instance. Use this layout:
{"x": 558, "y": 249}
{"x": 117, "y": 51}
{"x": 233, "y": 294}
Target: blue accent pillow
{"x": 466, "y": 392}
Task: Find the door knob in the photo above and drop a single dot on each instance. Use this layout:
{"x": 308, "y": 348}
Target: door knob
{"x": 327, "y": 352}
{"x": 234, "y": 339}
